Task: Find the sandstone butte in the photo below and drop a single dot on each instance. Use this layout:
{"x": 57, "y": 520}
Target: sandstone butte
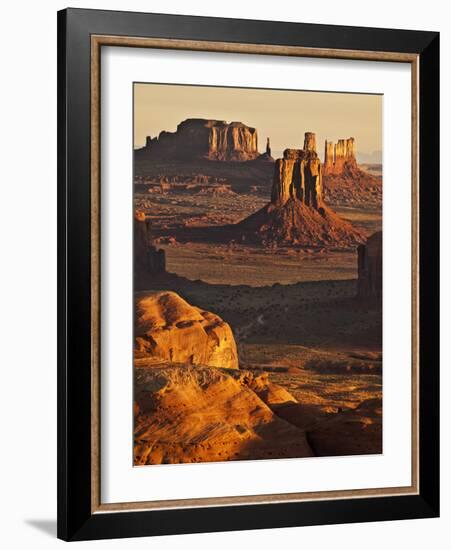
{"x": 339, "y": 158}
{"x": 204, "y": 139}
{"x": 297, "y": 213}
{"x": 170, "y": 330}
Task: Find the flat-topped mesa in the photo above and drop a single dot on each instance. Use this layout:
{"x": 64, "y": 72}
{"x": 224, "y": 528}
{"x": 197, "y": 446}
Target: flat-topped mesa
{"x": 198, "y": 138}
{"x": 339, "y": 158}
{"x": 298, "y": 176}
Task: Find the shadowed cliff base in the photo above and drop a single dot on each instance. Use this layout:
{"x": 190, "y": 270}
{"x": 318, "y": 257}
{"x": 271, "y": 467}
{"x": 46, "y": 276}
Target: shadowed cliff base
{"x": 296, "y": 223}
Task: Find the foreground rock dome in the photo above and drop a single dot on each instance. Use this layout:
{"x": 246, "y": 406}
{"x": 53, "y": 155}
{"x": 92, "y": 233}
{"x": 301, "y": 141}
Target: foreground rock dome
{"x": 170, "y": 330}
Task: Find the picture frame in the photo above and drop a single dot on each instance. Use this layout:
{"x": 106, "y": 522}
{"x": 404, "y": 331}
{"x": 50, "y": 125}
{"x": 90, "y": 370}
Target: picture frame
{"x": 81, "y": 36}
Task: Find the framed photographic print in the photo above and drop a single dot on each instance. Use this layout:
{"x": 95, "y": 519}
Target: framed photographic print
{"x": 248, "y": 274}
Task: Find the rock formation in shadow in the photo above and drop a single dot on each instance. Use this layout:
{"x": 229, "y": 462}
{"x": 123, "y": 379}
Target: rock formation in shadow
{"x": 148, "y": 260}
{"x": 370, "y": 267}
{"x": 353, "y": 432}
{"x": 267, "y": 154}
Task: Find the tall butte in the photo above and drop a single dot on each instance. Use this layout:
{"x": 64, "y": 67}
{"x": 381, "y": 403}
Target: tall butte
{"x": 297, "y": 213}
{"x": 339, "y": 158}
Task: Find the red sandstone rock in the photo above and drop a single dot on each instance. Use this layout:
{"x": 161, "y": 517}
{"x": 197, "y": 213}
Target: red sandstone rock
{"x": 199, "y": 414}
{"x": 169, "y": 329}
{"x": 297, "y": 213}
{"x": 310, "y": 141}
{"x": 329, "y": 157}
{"x": 299, "y": 224}
{"x": 339, "y": 158}
{"x": 197, "y": 138}
{"x": 298, "y": 176}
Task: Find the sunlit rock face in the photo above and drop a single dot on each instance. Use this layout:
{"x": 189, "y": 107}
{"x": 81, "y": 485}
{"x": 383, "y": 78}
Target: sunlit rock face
{"x": 170, "y": 330}
{"x": 198, "y": 138}
{"x": 310, "y": 141}
{"x": 204, "y": 414}
{"x": 298, "y": 176}
{"x": 339, "y": 158}
{"x": 370, "y": 267}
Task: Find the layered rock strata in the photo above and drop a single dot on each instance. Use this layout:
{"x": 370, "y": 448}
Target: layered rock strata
{"x": 298, "y": 176}
{"x": 198, "y": 138}
{"x": 170, "y": 330}
{"x": 200, "y": 414}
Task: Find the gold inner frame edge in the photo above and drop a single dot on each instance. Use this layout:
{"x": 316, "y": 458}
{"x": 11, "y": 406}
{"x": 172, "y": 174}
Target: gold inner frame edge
{"x": 97, "y": 41}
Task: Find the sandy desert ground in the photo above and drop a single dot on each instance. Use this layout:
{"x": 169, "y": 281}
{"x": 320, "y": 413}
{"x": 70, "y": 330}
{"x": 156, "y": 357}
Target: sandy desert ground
{"x": 297, "y": 323}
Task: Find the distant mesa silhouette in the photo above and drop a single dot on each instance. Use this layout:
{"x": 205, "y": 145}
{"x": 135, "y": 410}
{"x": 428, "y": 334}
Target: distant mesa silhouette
{"x": 203, "y": 139}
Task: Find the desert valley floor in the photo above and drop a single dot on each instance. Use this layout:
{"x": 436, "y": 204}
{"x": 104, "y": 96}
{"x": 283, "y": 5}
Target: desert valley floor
{"x": 307, "y": 378}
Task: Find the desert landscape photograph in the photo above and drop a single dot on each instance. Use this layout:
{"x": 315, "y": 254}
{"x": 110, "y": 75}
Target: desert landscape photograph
{"x": 257, "y": 274}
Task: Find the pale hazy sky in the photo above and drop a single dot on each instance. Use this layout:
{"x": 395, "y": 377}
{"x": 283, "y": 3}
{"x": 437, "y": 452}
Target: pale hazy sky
{"x": 281, "y": 115}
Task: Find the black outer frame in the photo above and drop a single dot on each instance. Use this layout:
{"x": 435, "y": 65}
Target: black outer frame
{"x": 75, "y": 520}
